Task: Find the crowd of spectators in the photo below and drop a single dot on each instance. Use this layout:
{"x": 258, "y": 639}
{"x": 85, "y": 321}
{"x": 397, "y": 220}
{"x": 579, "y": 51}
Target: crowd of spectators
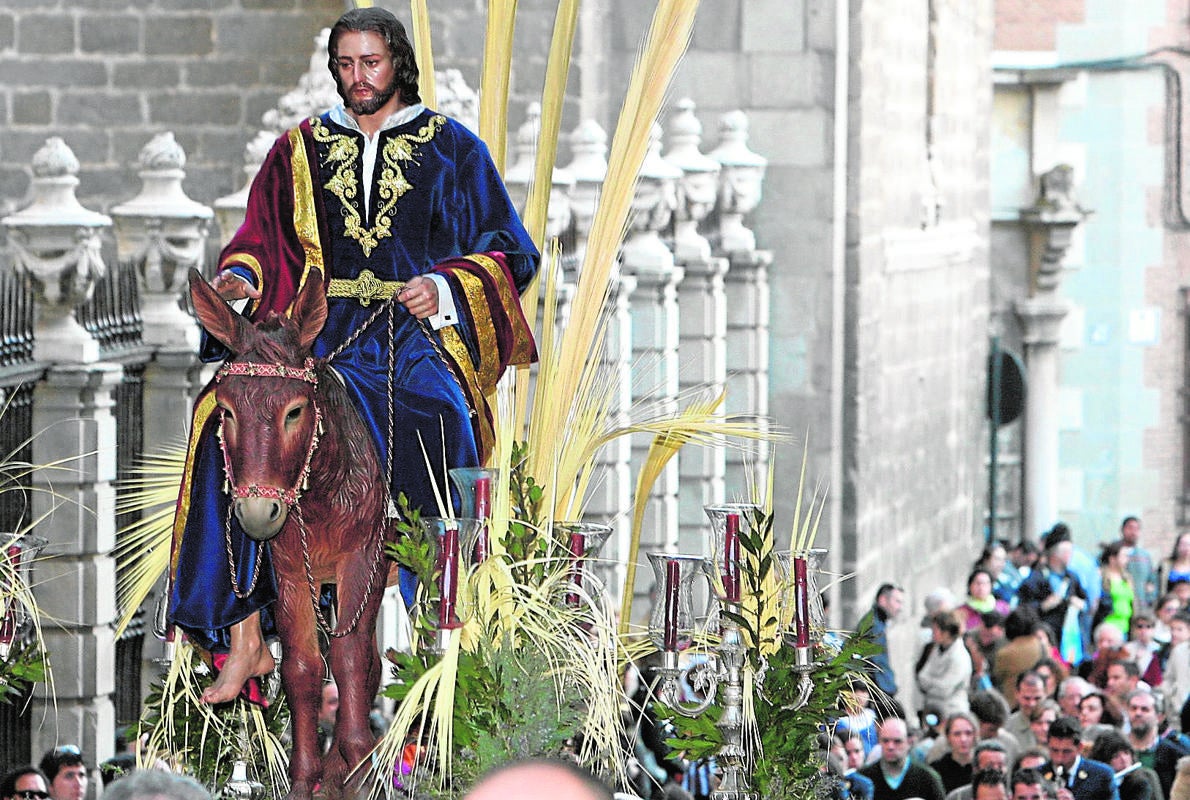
{"x": 1058, "y": 676}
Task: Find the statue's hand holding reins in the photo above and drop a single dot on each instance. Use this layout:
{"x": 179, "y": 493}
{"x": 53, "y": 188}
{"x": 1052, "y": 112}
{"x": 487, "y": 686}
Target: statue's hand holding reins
{"x": 420, "y": 297}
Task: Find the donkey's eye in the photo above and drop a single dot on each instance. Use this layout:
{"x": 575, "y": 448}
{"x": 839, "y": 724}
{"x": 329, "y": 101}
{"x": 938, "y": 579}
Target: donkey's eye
{"x": 294, "y": 414}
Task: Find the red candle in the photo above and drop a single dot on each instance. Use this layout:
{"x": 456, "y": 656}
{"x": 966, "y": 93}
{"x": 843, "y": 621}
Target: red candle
{"x": 577, "y": 550}
{"x": 731, "y": 559}
{"x": 483, "y": 510}
{"x": 801, "y": 602}
{"x": 8, "y": 610}
{"x": 672, "y": 585}
{"x": 448, "y": 581}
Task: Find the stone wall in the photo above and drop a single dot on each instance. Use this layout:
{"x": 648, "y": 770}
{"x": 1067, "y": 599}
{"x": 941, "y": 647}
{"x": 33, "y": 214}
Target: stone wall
{"x": 916, "y": 303}
{"x": 106, "y": 76}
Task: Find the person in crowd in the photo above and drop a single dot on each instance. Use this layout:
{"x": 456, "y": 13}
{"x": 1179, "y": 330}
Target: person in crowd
{"x": 937, "y": 601}
{"x": 66, "y": 771}
{"x": 1067, "y": 770}
{"x": 858, "y": 720}
{"x": 1070, "y": 694}
{"x": 894, "y": 776}
{"x": 1020, "y": 654}
{"x": 1140, "y": 563}
{"x": 539, "y": 779}
{"x": 1176, "y": 568}
{"x": 991, "y": 712}
{"x": 1030, "y": 691}
{"x": 980, "y": 599}
{"x": 155, "y": 784}
{"x": 955, "y": 767}
{"x": 1123, "y": 678}
{"x": 944, "y": 670}
{"x": 328, "y": 710}
{"x": 1023, "y": 556}
{"x": 1034, "y": 758}
{"x": 1171, "y": 748}
{"x": 1118, "y": 595}
{"x": 1027, "y": 784}
{"x": 1006, "y": 578}
{"x": 1109, "y": 648}
{"x": 857, "y": 752}
{"x": 988, "y": 755}
{"x": 857, "y": 785}
{"x": 1175, "y": 679}
{"x": 989, "y": 784}
{"x": 931, "y": 722}
{"x": 1136, "y": 781}
{"x": 24, "y": 783}
{"x": 1040, "y": 719}
{"x": 1167, "y": 605}
{"x": 1144, "y": 725}
{"x": 1051, "y": 673}
{"x": 1053, "y": 587}
{"x": 1142, "y": 648}
{"x": 890, "y": 599}
{"x": 1097, "y": 712}
{"x": 983, "y": 644}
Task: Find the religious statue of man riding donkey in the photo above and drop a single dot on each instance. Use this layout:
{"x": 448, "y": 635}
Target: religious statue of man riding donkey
{"x": 381, "y": 262}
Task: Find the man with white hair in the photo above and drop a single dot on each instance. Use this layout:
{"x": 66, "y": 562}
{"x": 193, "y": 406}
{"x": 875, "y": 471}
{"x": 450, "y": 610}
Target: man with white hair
{"x": 1071, "y": 692}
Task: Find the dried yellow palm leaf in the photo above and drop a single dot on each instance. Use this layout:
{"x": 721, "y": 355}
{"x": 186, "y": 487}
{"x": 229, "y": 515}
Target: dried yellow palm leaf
{"x": 557, "y": 72}
{"x": 494, "y": 82}
{"x": 143, "y": 547}
{"x": 419, "y": 13}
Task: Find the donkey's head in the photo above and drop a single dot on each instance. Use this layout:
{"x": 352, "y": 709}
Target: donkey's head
{"x": 266, "y": 398}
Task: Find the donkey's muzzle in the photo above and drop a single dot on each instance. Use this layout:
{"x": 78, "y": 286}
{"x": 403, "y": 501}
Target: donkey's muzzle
{"x": 261, "y": 517}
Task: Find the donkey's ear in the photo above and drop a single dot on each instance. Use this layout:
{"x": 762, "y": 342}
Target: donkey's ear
{"x": 216, "y": 316}
{"x": 309, "y": 309}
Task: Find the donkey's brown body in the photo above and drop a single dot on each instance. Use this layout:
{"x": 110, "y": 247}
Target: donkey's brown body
{"x": 333, "y": 534}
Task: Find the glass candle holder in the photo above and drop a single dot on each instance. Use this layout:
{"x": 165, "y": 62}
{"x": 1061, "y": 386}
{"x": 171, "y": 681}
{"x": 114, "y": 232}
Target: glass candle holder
{"x": 477, "y": 488}
{"x": 728, "y": 521}
{"x": 454, "y": 536}
{"x": 582, "y": 542}
{"x": 15, "y": 577}
{"x": 803, "y": 617}
{"x": 672, "y": 624}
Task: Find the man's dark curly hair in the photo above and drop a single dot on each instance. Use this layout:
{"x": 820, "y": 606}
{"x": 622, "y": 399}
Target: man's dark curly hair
{"x": 382, "y": 22}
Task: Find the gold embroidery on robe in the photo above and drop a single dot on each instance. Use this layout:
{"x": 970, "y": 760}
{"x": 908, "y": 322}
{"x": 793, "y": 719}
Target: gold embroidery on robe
{"x": 343, "y": 155}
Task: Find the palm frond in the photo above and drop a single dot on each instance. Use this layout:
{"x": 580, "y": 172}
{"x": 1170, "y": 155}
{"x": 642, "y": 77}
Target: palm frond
{"x": 494, "y": 82}
{"x": 427, "y": 87}
{"x": 143, "y": 547}
{"x": 557, "y": 71}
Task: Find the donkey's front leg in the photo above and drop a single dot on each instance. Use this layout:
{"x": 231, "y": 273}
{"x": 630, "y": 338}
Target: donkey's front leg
{"x": 302, "y": 673}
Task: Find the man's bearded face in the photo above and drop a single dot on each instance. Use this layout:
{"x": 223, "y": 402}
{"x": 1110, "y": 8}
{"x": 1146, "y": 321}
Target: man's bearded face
{"x": 365, "y": 99}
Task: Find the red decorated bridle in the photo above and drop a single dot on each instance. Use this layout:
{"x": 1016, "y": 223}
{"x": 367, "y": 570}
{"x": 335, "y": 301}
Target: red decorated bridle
{"x": 252, "y": 369}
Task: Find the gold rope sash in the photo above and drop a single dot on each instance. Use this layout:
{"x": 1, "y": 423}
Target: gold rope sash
{"x": 366, "y": 288}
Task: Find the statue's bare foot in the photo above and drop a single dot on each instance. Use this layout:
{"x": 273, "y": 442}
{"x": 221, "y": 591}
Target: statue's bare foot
{"x": 247, "y": 659}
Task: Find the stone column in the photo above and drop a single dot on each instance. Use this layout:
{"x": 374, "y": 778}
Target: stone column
{"x": 654, "y": 305}
{"x": 76, "y": 575}
{"x": 162, "y": 234}
{"x": 1050, "y": 223}
{"x": 56, "y": 243}
{"x": 702, "y": 304}
{"x": 747, "y": 289}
